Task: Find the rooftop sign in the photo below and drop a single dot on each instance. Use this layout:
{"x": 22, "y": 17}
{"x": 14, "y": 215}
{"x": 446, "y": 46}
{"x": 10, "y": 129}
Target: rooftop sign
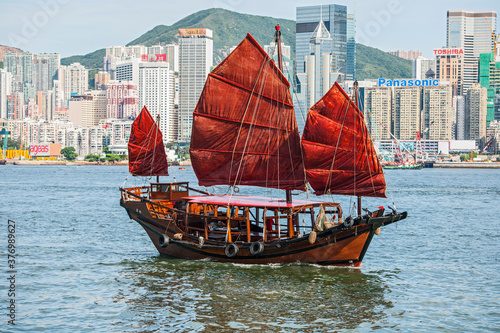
{"x": 448, "y": 51}
{"x": 407, "y": 83}
{"x": 195, "y": 32}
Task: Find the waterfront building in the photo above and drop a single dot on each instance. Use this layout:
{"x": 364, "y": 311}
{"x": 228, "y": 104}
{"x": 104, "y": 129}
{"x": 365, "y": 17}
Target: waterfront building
{"x": 471, "y": 32}
{"x": 438, "y": 115}
{"x": 5, "y": 90}
{"x": 378, "y": 111}
{"x": 74, "y": 79}
{"x": 475, "y": 113}
{"x": 156, "y": 92}
{"x": 122, "y": 100}
{"x": 450, "y": 68}
{"x": 408, "y": 55}
{"x": 195, "y": 62}
{"x": 336, "y": 22}
{"x": 421, "y": 66}
{"x": 406, "y": 109}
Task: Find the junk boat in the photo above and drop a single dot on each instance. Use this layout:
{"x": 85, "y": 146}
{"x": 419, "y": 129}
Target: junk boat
{"x": 245, "y": 134}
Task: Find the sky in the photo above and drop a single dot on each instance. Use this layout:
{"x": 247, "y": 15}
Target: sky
{"x": 75, "y": 27}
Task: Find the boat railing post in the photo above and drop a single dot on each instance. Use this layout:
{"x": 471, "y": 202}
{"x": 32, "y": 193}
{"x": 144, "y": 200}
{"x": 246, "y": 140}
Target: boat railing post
{"x": 264, "y": 219}
{"x": 247, "y": 215}
{"x": 186, "y": 217}
{"x": 228, "y": 234}
{"x": 206, "y": 222}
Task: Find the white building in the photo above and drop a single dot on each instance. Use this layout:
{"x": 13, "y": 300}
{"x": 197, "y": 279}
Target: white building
{"x": 195, "y": 62}
{"x": 5, "y": 89}
{"x": 421, "y": 66}
{"x": 122, "y": 99}
{"x": 74, "y": 79}
{"x": 156, "y": 92}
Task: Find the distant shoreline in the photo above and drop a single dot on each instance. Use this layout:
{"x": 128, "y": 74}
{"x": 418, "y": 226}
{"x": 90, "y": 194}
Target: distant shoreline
{"x": 51, "y": 162}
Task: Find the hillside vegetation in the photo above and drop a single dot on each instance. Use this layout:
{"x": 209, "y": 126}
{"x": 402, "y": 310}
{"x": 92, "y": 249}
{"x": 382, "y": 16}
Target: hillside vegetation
{"x": 229, "y": 28}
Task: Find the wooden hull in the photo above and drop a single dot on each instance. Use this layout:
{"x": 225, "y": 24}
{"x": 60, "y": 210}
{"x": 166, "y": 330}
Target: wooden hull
{"x": 340, "y": 245}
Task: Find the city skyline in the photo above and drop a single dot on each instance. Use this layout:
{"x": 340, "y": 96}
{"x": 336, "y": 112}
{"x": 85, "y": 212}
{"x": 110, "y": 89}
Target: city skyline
{"x": 55, "y": 25}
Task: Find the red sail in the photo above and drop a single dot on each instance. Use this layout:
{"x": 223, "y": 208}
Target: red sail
{"x": 338, "y": 153}
{"x": 146, "y": 152}
{"x": 244, "y": 127}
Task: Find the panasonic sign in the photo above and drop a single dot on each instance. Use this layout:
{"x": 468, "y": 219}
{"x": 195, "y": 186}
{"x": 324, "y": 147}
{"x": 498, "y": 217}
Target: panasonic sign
{"x": 407, "y": 83}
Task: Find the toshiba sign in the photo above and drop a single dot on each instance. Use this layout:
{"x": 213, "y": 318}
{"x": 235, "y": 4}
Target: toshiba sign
{"x": 448, "y": 51}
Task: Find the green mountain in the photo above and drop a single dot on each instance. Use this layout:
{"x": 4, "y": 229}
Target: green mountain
{"x": 92, "y": 60}
{"x": 372, "y": 63}
{"x": 229, "y": 28}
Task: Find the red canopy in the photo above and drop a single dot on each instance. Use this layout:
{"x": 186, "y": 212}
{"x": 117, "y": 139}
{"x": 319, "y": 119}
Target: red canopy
{"x": 339, "y": 155}
{"x": 244, "y": 127}
{"x": 146, "y": 152}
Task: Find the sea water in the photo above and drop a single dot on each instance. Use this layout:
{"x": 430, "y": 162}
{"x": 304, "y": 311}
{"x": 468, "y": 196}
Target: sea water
{"x": 82, "y": 265}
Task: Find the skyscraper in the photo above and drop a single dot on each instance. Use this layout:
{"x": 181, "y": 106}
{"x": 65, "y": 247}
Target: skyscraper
{"x": 335, "y": 20}
{"x": 475, "y": 113}
{"x": 471, "y": 32}
{"x": 407, "y": 106}
{"x": 156, "y": 92}
{"x": 195, "y": 62}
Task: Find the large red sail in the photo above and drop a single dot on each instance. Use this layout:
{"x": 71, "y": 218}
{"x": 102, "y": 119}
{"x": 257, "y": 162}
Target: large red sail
{"x": 146, "y": 152}
{"x": 339, "y": 155}
{"x": 244, "y": 127}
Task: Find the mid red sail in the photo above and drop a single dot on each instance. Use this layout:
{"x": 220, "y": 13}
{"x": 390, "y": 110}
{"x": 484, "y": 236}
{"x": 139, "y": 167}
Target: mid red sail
{"x": 244, "y": 127}
{"x": 339, "y": 155}
{"x": 146, "y": 152}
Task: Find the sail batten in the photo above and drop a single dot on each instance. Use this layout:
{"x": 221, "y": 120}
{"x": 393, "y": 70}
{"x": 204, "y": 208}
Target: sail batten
{"x": 146, "y": 151}
{"x": 244, "y": 129}
{"x": 339, "y": 155}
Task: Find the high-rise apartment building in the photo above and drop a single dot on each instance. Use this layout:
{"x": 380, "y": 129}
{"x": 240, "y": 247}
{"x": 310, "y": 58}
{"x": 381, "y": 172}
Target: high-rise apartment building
{"x": 471, "y": 32}
{"x": 101, "y": 79}
{"x": 122, "y": 100}
{"x": 450, "y": 68}
{"x": 5, "y": 90}
{"x": 53, "y": 61}
{"x": 475, "y": 113}
{"x": 195, "y": 62}
{"x": 74, "y": 79}
{"x": 377, "y": 108}
{"x": 438, "y": 115}
{"x": 156, "y": 92}
{"x": 88, "y": 109}
{"x": 408, "y": 55}
{"x": 459, "y": 109}
{"x": 407, "y": 106}
{"x": 20, "y": 65}
{"x": 336, "y": 21}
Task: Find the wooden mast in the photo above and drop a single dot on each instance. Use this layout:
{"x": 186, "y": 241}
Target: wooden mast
{"x": 355, "y": 86}
{"x": 277, "y": 39}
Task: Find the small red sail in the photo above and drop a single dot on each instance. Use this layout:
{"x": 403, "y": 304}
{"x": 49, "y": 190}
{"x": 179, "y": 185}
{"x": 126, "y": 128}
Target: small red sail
{"x": 146, "y": 152}
{"x": 339, "y": 155}
{"x": 244, "y": 127}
